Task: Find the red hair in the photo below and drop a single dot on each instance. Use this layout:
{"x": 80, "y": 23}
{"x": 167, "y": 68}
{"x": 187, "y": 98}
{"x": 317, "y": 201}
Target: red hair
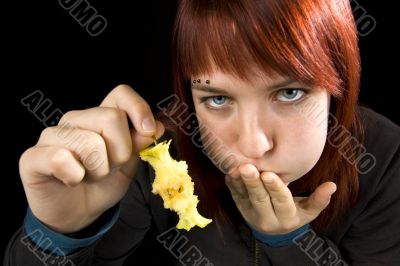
{"x": 311, "y": 41}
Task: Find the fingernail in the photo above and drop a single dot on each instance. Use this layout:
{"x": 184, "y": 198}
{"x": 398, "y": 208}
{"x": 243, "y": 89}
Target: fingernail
{"x": 148, "y": 124}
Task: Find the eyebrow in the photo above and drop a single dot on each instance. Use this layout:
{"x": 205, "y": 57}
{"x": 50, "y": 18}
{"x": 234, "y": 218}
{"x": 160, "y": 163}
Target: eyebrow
{"x": 211, "y": 89}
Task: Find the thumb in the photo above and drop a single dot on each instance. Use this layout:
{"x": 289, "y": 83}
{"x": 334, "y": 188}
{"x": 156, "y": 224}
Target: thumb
{"x": 139, "y": 141}
{"x": 319, "y": 200}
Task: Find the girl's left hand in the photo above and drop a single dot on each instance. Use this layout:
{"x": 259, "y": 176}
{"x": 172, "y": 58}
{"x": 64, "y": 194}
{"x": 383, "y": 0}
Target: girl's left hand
{"x": 267, "y": 204}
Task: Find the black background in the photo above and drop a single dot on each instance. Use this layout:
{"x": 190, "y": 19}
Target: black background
{"x": 45, "y": 49}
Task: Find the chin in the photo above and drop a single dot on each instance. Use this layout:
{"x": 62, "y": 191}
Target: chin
{"x": 289, "y": 178}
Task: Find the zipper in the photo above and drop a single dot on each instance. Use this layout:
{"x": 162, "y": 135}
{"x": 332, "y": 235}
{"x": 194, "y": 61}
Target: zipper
{"x": 255, "y": 245}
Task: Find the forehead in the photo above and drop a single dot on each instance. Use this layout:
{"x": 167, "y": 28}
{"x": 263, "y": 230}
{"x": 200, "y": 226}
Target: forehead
{"x": 219, "y": 78}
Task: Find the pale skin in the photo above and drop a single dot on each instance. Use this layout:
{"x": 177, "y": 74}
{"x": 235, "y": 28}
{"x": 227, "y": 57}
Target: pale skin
{"x": 274, "y": 143}
{"x": 82, "y": 167}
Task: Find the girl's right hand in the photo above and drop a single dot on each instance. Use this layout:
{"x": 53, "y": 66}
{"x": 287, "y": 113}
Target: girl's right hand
{"x": 82, "y": 167}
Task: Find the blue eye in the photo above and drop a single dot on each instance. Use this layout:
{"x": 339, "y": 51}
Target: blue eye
{"x": 290, "y": 95}
{"x": 216, "y": 101}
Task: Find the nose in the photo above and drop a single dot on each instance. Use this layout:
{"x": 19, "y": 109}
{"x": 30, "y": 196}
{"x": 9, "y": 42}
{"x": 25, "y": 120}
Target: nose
{"x": 254, "y": 140}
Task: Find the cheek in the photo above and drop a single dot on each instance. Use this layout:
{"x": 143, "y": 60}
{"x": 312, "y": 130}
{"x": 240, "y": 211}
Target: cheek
{"x": 299, "y": 141}
{"x": 304, "y": 145}
{"x": 217, "y": 139}
{"x": 212, "y": 126}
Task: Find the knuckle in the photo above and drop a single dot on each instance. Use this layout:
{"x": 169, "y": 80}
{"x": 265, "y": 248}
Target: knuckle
{"x": 112, "y": 115}
{"x": 274, "y": 185}
{"x": 25, "y": 160}
{"x": 66, "y": 119}
{"x": 123, "y": 157}
{"x": 251, "y": 184}
{"x": 283, "y": 199}
{"x": 94, "y": 143}
{"x": 25, "y": 156}
{"x": 94, "y": 154}
{"x": 121, "y": 89}
{"x": 244, "y": 205}
{"x": 282, "y": 195}
{"x": 47, "y": 133}
{"x": 259, "y": 198}
{"x": 244, "y": 196}
{"x": 60, "y": 160}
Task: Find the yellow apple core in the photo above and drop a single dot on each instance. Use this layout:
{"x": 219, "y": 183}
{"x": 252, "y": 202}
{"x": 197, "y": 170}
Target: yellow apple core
{"x": 174, "y": 185}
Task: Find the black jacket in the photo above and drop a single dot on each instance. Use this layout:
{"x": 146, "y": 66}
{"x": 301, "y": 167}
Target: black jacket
{"x": 369, "y": 235}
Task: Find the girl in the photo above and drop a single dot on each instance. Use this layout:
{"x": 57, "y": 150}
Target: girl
{"x": 291, "y": 170}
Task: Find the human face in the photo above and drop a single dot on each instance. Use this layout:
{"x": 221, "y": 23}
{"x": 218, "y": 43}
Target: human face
{"x": 261, "y": 122}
